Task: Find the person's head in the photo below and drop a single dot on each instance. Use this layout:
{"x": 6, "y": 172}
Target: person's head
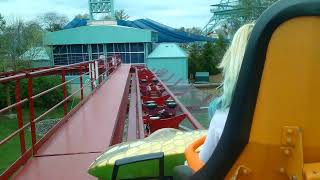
{"x": 231, "y": 63}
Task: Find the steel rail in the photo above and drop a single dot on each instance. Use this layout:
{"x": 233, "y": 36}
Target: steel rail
{"x": 60, "y": 103}
{"x": 192, "y": 120}
{"x": 13, "y": 105}
{"x": 139, "y": 105}
{"x": 44, "y": 71}
{"x": 38, "y": 95}
{"x": 56, "y": 87}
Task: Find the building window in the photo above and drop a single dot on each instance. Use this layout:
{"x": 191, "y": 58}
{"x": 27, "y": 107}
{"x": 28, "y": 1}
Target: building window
{"x": 97, "y": 51}
{"x": 70, "y": 54}
{"x": 76, "y": 53}
{"x": 130, "y": 52}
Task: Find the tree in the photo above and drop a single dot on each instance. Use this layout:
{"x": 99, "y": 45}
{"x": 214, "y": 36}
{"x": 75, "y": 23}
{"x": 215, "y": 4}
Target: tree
{"x": 207, "y": 61}
{"x": 219, "y": 48}
{"x": 193, "y": 30}
{"x": 2, "y": 27}
{"x": 17, "y": 38}
{"x": 118, "y": 15}
{"x": 2, "y": 23}
{"x": 206, "y": 57}
{"x": 53, "y": 21}
{"x": 251, "y": 10}
{"x": 82, "y": 16}
{"x": 193, "y": 59}
{"x": 121, "y": 15}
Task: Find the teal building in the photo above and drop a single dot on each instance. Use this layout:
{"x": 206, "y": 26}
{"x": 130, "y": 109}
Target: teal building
{"x": 90, "y": 42}
{"x": 171, "y": 59}
{"x": 89, "y": 39}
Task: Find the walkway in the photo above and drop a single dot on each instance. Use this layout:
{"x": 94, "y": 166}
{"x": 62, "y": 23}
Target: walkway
{"x": 70, "y": 151}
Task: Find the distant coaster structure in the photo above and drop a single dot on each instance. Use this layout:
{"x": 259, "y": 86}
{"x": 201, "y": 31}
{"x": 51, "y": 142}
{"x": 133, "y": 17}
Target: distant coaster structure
{"x": 227, "y": 9}
{"x": 102, "y": 7}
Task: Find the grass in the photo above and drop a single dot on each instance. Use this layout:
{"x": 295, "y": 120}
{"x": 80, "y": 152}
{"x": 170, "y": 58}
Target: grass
{"x": 10, "y": 151}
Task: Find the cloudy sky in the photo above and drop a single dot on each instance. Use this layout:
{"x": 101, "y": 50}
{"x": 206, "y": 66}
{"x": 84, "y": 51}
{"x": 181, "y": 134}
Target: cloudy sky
{"x": 175, "y": 13}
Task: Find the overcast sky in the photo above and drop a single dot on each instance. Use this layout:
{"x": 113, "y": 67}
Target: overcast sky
{"x": 175, "y": 13}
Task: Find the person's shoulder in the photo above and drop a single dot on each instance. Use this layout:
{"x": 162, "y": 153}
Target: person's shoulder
{"x": 213, "y": 106}
{"x": 216, "y": 103}
{"x": 222, "y": 113}
{"x": 219, "y": 119}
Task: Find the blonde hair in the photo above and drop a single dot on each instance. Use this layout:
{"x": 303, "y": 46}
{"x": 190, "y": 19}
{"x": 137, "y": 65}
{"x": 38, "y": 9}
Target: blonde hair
{"x": 231, "y": 63}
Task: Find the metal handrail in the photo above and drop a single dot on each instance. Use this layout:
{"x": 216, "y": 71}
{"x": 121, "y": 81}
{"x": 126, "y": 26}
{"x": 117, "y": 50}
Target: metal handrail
{"x": 139, "y": 113}
{"x": 13, "y": 105}
{"x": 47, "y": 112}
{"x": 38, "y": 95}
{"x": 55, "y": 87}
{"x": 63, "y": 70}
{"x": 66, "y": 99}
{"x": 23, "y": 75}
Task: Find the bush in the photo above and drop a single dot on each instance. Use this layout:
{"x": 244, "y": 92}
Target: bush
{"x": 193, "y": 59}
{"x": 208, "y": 60}
{"x": 206, "y": 57}
{"x": 40, "y": 84}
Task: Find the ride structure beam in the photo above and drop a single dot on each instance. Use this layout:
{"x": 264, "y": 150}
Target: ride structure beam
{"x": 227, "y": 9}
{"x": 105, "y": 7}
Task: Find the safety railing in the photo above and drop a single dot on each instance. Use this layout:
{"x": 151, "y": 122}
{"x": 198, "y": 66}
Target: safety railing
{"x": 98, "y": 72}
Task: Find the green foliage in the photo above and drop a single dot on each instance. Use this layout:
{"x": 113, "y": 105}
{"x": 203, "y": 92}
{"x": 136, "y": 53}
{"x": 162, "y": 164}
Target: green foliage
{"x": 43, "y": 83}
{"x": 193, "y": 59}
{"x": 220, "y": 48}
{"x": 2, "y": 23}
{"x": 15, "y": 39}
{"x": 207, "y": 61}
{"x": 10, "y": 152}
{"x": 207, "y": 57}
{"x": 3, "y": 65}
{"x": 40, "y": 84}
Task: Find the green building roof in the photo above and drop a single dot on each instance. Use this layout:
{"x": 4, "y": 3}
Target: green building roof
{"x": 98, "y": 35}
{"x": 168, "y": 50}
{"x": 36, "y": 54}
